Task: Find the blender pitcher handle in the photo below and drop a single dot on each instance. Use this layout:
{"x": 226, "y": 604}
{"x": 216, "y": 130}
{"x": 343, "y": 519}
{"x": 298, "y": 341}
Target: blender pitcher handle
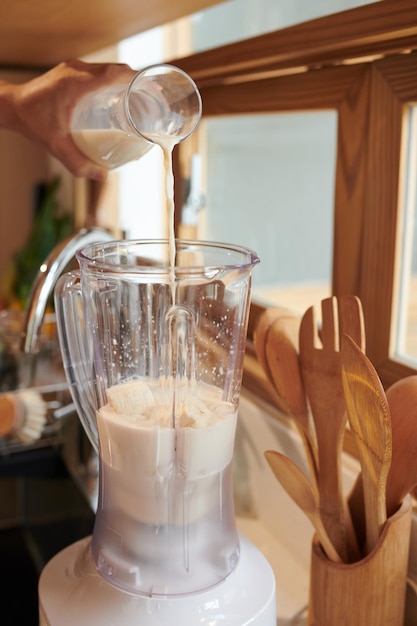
{"x": 76, "y": 350}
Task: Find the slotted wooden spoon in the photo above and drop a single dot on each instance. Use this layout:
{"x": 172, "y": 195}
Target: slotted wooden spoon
{"x": 302, "y": 492}
{"x": 402, "y": 477}
{"x": 370, "y": 422}
{"x": 321, "y": 371}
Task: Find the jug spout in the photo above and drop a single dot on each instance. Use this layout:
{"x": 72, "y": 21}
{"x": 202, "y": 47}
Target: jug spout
{"x": 48, "y": 274}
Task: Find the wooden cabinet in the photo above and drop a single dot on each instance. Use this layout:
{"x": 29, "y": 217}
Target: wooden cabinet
{"x": 42, "y": 33}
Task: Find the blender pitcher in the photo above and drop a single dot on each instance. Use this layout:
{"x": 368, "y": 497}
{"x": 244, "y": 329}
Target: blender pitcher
{"x": 153, "y": 355}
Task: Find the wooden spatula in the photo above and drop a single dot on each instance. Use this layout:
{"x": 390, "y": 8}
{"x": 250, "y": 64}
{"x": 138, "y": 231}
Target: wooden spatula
{"x": 321, "y": 371}
{"x": 370, "y": 422}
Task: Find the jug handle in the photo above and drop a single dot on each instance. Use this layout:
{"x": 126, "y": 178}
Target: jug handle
{"x": 76, "y": 350}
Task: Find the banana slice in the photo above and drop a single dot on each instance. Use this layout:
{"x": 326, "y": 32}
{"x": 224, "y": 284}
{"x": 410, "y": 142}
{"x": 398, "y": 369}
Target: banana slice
{"x": 132, "y": 398}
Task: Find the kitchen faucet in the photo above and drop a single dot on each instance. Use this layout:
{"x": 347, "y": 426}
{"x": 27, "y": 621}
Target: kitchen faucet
{"x": 49, "y": 272}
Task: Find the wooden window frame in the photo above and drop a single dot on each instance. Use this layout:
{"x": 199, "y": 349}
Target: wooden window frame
{"x": 362, "y": 64}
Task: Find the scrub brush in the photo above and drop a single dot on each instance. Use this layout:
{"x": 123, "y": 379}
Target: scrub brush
{"x": 22, "y": 415}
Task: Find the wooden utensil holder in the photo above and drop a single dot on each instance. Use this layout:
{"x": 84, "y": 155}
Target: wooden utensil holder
{"x": 369, "y": 592}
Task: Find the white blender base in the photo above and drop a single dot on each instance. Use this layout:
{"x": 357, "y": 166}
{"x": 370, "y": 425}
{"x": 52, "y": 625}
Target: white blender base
{"x": 71, "y": 593}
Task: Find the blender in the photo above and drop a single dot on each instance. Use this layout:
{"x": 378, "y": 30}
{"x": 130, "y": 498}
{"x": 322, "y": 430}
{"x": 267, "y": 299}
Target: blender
{"x": 153, "y": 353}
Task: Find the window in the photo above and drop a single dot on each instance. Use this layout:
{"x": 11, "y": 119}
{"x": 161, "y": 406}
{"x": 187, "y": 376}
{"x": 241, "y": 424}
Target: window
{"x": 360, "y": 65}
{"x": 357, "y": 70}
{"x": 269, "y": 185}
{"x": 239, "y": 19}
{"x": 404, "y": 332}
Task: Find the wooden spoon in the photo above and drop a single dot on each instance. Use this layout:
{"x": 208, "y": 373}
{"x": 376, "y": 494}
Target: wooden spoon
{"x": 260, "y": 339}
{"x": 402, "y": 477}
{"x": 281, "y": 353}
{"x": 303, "y": 494}
{"x": 370, "y": 422}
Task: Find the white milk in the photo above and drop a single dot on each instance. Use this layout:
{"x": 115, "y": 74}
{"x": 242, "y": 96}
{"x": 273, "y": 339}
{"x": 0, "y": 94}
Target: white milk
{"x": 167, "y": 145}
{"x": 165, "y": 522}
{"x": 142, "y": 453}
{"x": 110, "y": 147}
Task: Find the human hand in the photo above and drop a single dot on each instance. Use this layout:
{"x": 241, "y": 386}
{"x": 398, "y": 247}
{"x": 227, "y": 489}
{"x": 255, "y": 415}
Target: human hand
{"x": 42, "y": 108}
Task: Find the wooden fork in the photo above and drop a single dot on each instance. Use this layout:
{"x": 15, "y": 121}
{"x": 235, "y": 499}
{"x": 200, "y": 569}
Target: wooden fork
{"x": 322, "y": 374}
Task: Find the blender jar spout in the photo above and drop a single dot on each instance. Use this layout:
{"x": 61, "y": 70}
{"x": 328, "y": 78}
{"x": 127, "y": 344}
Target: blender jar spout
{"x": 48, "y": 274}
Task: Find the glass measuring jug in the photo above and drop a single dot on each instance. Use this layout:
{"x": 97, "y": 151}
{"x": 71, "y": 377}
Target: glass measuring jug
{"x": 154, "y": 356}
{"x": 120, "y": 123}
